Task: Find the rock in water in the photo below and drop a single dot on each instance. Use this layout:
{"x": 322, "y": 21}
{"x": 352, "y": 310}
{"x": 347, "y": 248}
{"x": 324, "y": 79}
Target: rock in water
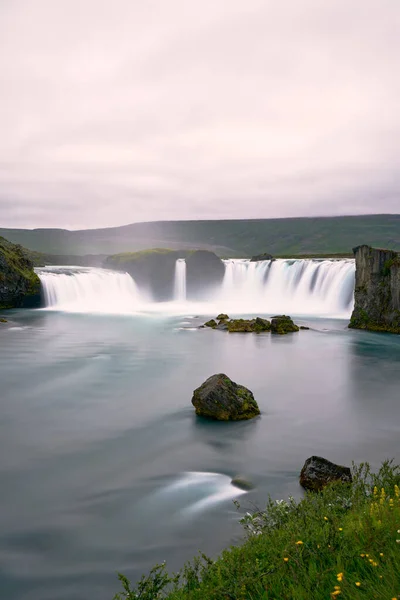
{"x": 318, "y": 472}
{"x": 241, "y": 482}
{"x": 222, "y": 399}
{"x": 283, "y": 324}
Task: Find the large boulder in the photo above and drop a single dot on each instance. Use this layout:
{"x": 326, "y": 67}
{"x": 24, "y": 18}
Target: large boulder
{"x": 222, "y": 399}
{"x": 204, "y": 272}
{"x": 318, "y": 472}
{"x": 19, "y": 284}
{"x": 282, "y": 324}
{"x": 256, "y": 325}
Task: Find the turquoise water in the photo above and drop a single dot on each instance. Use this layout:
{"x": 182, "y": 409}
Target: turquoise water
{"x": 104, "y": 466}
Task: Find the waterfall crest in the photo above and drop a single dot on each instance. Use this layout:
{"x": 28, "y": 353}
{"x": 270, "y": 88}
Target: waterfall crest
{"x": 89, "y": 290}
{"x": 297, "y": 287}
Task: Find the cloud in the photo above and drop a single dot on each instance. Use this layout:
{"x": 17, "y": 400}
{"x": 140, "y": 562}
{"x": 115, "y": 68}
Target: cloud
{"x": 123, "y": 111}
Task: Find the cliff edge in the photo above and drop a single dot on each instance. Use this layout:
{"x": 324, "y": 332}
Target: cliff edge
{"x": 377, "y": 290}
{"x": 19, "y": 284}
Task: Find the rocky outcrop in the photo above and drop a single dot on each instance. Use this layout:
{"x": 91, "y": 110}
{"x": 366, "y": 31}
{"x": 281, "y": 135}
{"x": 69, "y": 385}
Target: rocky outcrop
{"x": 318, "y": 472}
{"x": 283, "y": 324}
{"x": 204, "y": 272}
{"x": 377, "y": 290}
{"x": 19, "y": 284}
{"x": 154, "y": 271}
{"x": 222, "y": 399}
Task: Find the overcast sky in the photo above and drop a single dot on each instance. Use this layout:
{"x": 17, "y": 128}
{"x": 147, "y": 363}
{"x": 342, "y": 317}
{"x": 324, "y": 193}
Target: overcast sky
{"x": 116, "y": 111}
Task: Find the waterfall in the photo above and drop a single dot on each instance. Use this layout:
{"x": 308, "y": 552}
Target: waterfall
{"x": 88, "y": 290}
{"x": 318, "y": 287}
{"x": 308, "y": 286}
{"x": 180, "y": 280}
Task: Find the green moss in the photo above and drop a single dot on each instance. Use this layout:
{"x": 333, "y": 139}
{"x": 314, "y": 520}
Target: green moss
{"x": 17, "y": 266}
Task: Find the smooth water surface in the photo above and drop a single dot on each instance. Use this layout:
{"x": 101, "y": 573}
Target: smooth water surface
{"x": 104, "y": 466}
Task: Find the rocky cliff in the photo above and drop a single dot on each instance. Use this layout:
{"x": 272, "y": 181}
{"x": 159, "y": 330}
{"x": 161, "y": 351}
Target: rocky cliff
{"x": 19, "y": 284}
{"x": 154, "y": 270}
{"x": 377, "y": 290}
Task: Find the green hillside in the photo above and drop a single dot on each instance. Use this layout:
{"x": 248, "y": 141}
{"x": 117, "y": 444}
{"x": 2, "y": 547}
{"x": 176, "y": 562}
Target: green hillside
{"x": 319, "y": 235}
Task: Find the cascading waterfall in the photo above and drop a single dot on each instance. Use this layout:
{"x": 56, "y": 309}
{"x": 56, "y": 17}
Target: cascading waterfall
{"x": 297, "y": 287}
{"x": 89, "y": 290}
{"x": 314, "y": 287}
{"x": 180, "y": 280}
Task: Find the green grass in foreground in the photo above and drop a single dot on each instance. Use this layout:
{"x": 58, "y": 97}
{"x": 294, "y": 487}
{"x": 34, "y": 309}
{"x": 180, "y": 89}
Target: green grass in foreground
{"x": 343, "y": 542}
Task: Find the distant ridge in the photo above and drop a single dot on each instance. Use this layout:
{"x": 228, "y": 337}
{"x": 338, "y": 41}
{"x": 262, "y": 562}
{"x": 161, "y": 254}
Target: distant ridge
{"x": 235, "y": 237}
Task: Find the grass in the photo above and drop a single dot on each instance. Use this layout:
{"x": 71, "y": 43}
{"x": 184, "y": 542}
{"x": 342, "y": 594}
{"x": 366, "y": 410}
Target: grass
{"x": 229, "y": 238}
{"x": 343, "y": 542}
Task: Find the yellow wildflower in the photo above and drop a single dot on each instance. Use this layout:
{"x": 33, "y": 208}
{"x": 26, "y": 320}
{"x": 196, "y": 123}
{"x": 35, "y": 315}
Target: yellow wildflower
{"x": 362, "y": 555}
{"x": 337, "y": 587}
{"x": 286, "y": 559}
{"x": 325, "y": 518}
{"x": 380, "y": 553}
{"x": 340, "y": 528}
{"x": 299, "y": 543}
{"x": 336, "y": 593}
{"x": 358, "y": 583}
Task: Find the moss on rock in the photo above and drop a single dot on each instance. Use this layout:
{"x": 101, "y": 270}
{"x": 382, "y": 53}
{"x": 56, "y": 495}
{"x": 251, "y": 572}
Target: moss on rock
{"x": 19, "y": 284}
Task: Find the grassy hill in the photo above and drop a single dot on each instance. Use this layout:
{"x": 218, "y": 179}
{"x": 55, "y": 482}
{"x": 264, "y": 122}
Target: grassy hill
{"x": 319, "y": 235}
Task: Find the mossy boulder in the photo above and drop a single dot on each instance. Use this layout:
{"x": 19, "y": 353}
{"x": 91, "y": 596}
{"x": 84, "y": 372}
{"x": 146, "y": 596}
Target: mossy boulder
{"x": 222, "y": 317}
{"x": 19, "y": 284}
{"x": 318, "y": 472}
{"x": 242, "y": 482}
{"x": 211, "y": 323}
{"x": 257, "y": 325}
{"x": 283, "y": 324}
{"x": 3, "y": 320}
{"x": 222, "y": 399}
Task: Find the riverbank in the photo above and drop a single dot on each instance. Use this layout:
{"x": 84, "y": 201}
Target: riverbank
{"x": 342, "y": 542}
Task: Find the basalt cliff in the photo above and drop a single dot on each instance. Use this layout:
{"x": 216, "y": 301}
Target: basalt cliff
{"x": 19, "y": 284}
{"x": 377, "y": 290}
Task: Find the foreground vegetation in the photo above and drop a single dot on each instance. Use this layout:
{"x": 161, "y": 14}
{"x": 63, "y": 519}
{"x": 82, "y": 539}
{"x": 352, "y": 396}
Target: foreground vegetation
{"x": 343, "y": 542}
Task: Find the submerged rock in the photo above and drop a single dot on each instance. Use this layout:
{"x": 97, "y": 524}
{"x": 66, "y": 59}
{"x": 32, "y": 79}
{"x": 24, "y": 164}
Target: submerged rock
{"x": 3, "y": 320}
{"x": 222, "y": 399}
{"x": 318, "y": 472}
{"x": 241, "y": 482}
{"x": 283, "y": 324}
{"x": 304, "y": 328}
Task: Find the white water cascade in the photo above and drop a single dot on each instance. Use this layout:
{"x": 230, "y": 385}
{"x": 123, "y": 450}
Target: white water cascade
{"x": 314, "y": 287}
{"x": 308, "y": 286}
{"x": 89, "y": 290}
{"x": 180, "y": 280}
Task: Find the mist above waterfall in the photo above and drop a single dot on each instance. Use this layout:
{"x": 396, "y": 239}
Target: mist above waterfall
{"x": 298, "y": 287}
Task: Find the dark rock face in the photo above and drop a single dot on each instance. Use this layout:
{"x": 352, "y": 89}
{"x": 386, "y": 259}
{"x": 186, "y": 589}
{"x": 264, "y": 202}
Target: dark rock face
{"x": 318, "y": 472}
{"x": 377, "y": 290}
{"x": 282, "y": 324}
{"x": 19, "y": 284}
{"x": 204, "y": 271}
{"x": 259, "y": 257}
{"x": 152, "y": 270}
{"x": 222, "y": 399}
